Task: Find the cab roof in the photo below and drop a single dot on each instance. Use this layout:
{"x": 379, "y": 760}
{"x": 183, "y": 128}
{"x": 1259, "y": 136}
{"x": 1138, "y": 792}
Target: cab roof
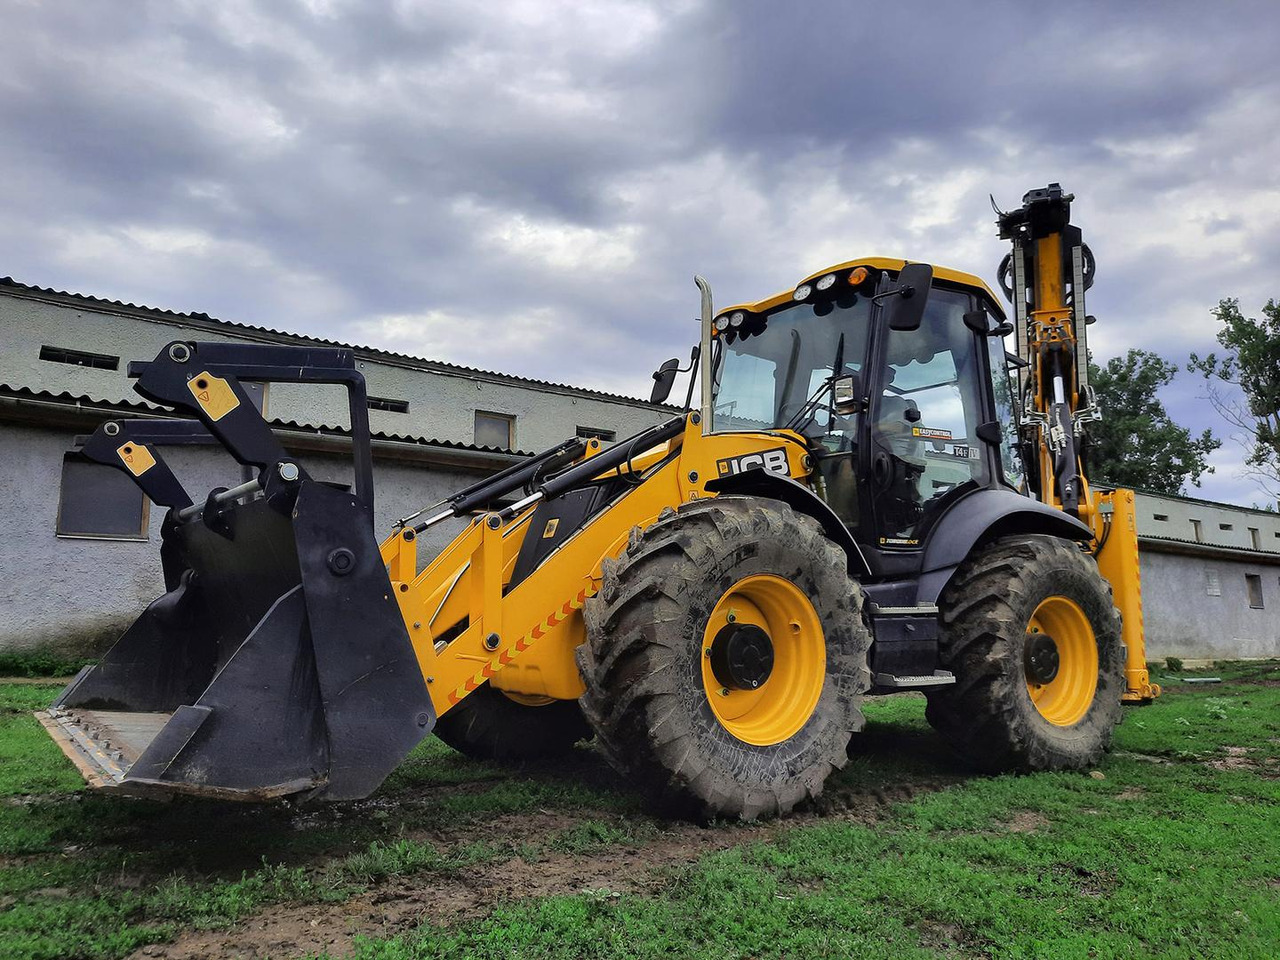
{"x": 893, "y": 265}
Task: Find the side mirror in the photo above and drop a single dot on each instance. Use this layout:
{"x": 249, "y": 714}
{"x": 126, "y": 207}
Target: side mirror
{"x": 846, "y": 395}
{"x": 663, "y": 378}
{"x": 910, "y": 295}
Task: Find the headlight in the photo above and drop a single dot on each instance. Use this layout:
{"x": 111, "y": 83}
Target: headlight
{"x": 737, "y": 319}
{"x": 722, "y": 323}
{"x": 827, "y": 282}
{"x": 803, "y": 292}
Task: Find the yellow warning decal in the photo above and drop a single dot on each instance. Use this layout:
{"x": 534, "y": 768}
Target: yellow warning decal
{"x": 214, "y": 395}
{"x": 137, "y": 458}
{"x": 508, "y": 653}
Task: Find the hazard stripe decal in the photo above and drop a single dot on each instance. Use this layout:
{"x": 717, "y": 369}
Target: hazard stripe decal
{"x": 507, "y": 654}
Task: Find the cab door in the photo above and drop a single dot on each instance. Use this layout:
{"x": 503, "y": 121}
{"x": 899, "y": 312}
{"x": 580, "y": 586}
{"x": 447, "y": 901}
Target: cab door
{"x": 926, "y": 407}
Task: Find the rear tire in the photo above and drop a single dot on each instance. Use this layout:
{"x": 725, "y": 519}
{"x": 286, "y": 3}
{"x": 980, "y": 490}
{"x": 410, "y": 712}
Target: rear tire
{"x": 1010, "y": 709}
{"x": 490, "y": 725}
{"x": 714, "y": 571}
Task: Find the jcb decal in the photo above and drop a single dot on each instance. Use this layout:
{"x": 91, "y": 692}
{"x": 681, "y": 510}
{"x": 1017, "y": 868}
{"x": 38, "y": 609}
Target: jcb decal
{"x": 774, "y": 461}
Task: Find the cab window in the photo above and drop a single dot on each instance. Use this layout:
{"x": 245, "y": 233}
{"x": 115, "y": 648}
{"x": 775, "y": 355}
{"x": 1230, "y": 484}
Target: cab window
{"x": 925, "y": 419}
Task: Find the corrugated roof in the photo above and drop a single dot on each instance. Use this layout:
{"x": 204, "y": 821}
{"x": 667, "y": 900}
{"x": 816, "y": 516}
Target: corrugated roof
{"x": 372, "y": 352}
{"x": 69, "y": 399}
{"x": 1103, "y": 485}
{"x": 1207, "y": 547}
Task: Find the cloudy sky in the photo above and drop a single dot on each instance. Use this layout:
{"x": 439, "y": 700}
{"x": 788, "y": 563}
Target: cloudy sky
{"x": 529, "y": 186}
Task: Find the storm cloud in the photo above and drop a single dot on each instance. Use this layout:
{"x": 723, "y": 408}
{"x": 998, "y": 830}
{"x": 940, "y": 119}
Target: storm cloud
{"x": 529, "y": 186}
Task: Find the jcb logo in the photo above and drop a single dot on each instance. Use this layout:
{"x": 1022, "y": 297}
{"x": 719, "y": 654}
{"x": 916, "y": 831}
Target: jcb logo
{"x": 775, "y": 461}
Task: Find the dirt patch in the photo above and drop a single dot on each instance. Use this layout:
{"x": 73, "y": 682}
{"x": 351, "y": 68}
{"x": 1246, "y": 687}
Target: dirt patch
{"x": 949, "y": 939}
{"x": 399, "y": 904}
{"x": 1131, "y": 793}
{"x": 402, "y": 903}
{"x": 1088, "y": 883}
{"x": 1026, "y": 821}
{"x": 1239, "y": 758}
{"x": 1141, "y": 757}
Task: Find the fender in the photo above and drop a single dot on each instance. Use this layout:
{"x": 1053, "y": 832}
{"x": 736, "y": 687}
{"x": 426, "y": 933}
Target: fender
{"x": 980, "y": 517}
{"x": 774, "y": 486}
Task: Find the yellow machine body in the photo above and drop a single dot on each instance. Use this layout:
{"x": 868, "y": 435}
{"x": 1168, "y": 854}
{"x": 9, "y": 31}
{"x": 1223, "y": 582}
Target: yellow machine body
{"x": 522, "y": 641}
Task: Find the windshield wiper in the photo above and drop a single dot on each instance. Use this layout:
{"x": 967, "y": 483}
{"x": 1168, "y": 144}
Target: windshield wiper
{"x": 823, "y": 387}
{"x": 810, "y": 403}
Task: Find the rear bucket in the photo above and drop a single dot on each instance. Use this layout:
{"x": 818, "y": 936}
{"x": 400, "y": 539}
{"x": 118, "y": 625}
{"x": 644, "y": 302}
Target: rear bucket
{"x": 277, "y": 665}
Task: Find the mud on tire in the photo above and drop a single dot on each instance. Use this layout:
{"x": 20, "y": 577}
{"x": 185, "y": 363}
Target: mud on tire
{"x": 489, "y": 725}
{"x": 643, "y": 668}
{"x": 989, "y": 715}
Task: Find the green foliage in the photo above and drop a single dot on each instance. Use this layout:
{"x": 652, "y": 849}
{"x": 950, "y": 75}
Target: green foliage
{"x": 1174, "y": 664}
{"x": 1136, "y": 444}
{"x": 40, "y": 665}
{"x": 405, "y": 856}
{"x": 590, "y": 836}
{"x": 1250, "y": 368}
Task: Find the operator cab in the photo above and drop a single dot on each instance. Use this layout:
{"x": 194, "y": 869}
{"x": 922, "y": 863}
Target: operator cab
{"x": 904, "y": 406}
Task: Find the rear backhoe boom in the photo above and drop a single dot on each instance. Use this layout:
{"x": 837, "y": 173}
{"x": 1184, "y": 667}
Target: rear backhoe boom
{"x": 1045, "y": 277}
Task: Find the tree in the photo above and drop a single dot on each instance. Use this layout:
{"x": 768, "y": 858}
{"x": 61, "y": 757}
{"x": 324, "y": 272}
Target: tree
{"x": 1244, "y": 384}
{"x": 1136, "y": 444}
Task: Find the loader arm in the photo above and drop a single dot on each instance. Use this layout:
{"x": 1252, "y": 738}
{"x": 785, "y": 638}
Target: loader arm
{"x": 1045, "y": 276}
{"x": 294, "y": 656}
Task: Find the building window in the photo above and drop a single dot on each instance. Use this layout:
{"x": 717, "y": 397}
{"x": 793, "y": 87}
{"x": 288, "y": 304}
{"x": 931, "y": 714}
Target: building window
{"x": 1212, "y": 585}
{"x": 1253, "y": 583}
{"x": 1195, "y": 529}
{"x": 79, "y": 358}
{"x": 1255, "y": 538}
{"x": 495, "y": 430}
{"x": 1161, "y": 516}
{"x": 1225, "y": 526}
{"x": 100, "y": 502}
{"x": 595, "y": 433}
{"x": 392, "y": 406}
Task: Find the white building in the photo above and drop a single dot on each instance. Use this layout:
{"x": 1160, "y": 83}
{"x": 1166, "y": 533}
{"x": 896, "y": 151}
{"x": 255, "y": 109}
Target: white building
{"x": 76, "y": 566}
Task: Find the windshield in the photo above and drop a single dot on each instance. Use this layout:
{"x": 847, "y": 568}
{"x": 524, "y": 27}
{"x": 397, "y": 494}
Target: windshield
{"x": 763, "y": 379}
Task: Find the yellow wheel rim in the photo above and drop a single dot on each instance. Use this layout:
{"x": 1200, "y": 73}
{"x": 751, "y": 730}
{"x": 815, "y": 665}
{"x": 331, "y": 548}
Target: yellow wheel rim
{"x": 1064, "y": 698}
{"x": 528, "y": 699}
{"x": 784, "y": 700}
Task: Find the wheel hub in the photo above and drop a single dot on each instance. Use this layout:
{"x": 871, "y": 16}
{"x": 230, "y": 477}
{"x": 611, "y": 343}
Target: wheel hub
{"x": 742, "y": 656}
{"x": 1041, "y": 658}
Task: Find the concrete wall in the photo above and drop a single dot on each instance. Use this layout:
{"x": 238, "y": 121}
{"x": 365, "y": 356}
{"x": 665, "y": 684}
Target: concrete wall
{"x": 442, "y": 402}
{"x": 74, "y": 596}
{"x": 1184, "y": 618}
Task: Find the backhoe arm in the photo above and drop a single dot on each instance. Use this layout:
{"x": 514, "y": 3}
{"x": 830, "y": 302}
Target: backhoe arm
{"x": 1045, "y": 276}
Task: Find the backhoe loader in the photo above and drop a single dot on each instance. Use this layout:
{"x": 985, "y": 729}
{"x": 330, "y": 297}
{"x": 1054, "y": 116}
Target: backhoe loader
{"x": 861, "y": 499}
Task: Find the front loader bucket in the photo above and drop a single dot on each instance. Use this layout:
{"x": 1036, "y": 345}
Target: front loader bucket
{"x": 276, "y": 665}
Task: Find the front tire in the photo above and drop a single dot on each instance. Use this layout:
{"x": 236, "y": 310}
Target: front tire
{"x": 1030, "y": 632}
{"x": 725, "y": 660}
{"x": 492, "y": 725}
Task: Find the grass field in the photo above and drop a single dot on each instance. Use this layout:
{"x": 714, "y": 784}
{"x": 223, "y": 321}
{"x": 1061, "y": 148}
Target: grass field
{"x": 1171, "y": 848}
